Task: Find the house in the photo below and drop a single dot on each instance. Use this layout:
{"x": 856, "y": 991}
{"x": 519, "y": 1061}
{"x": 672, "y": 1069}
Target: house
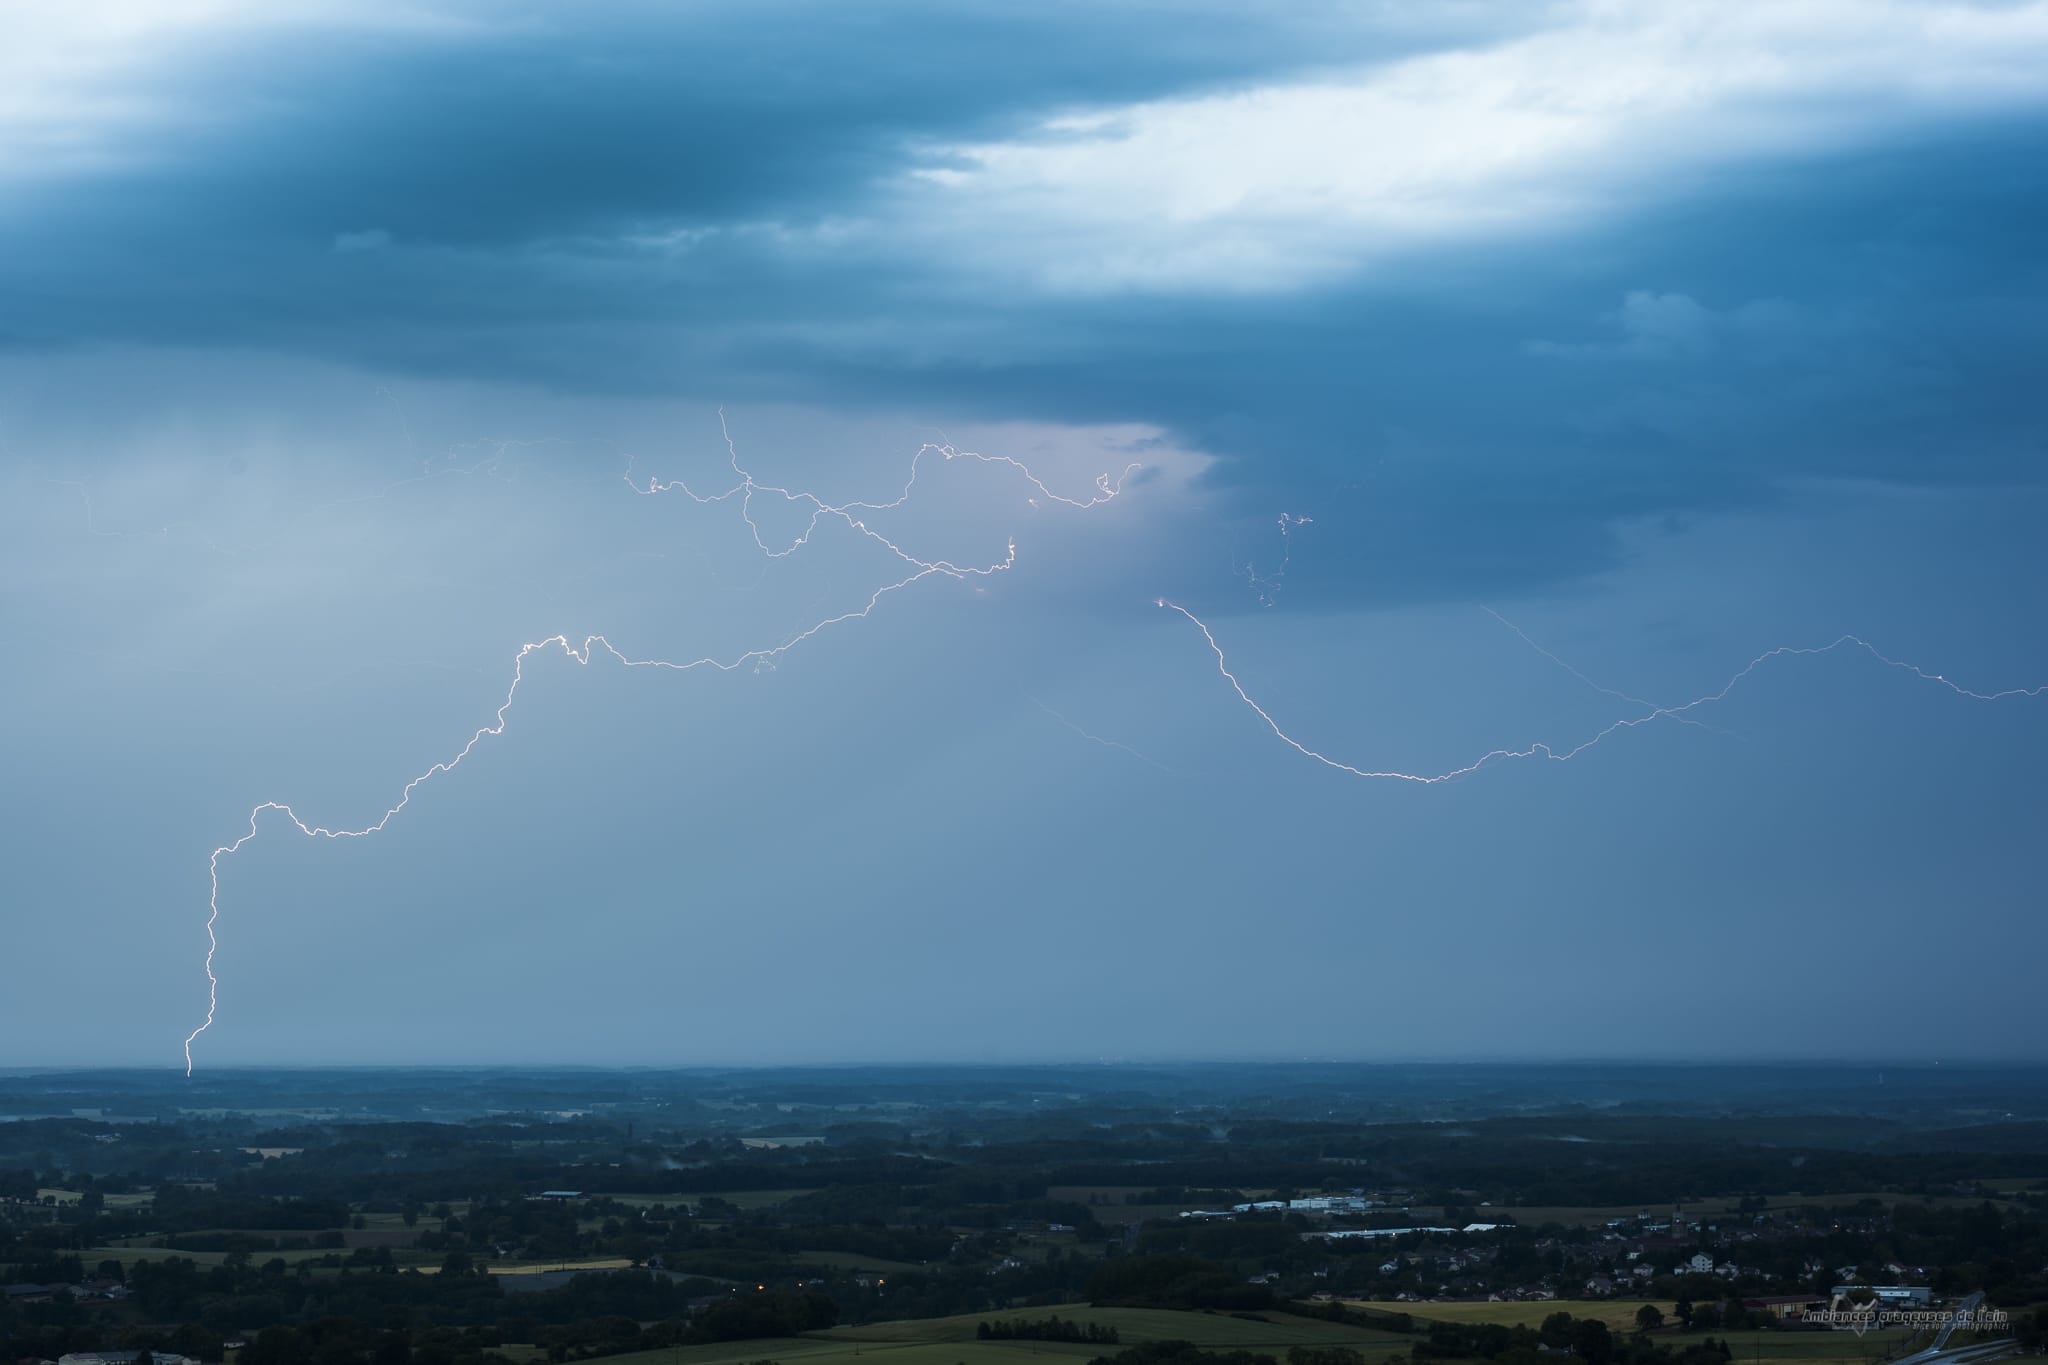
{"x": 1919, "y": 1296}
{"x": 32, "y": 1293}
{"x": 1600, "y": 1284}
{"x": 123, "y": 1358}
{"x": 1783, "y": 1306}
{"x": 1699, "y": 1264}
{"x": 1328, "y": 1203}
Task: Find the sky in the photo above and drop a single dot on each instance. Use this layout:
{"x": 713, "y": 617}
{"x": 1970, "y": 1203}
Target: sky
{"x": 948, "y": 395}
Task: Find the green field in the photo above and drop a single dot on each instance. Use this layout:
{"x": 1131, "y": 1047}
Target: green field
{"x": 951, "y": 1341}
{"x": 540, "y": 1267}
{"x": 1765, "y": 1347}
{"x": 1620, "y": 1316}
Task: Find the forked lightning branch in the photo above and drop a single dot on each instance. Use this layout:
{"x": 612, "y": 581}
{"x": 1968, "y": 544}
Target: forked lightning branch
{"x": 746, "y": 491}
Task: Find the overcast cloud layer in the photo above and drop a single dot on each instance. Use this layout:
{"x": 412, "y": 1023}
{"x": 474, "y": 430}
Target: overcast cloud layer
{"x": 336, "y": 339}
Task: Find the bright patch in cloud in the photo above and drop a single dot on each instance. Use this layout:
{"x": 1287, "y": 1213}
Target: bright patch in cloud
{"x": 1284, "y": 185}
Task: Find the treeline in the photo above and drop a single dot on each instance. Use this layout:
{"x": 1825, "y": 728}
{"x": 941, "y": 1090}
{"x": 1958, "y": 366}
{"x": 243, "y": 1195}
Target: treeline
{"x": 1586, "y": 1339}
{"x": 1354, "y": 1316}
{"x": 1174, "y": 1282}
{"x": 1181, "y": 1353}
{"x": 1054, "y": 1328}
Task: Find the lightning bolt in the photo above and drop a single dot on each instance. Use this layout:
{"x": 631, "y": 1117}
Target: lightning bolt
{"x": 1098, "y": 739}
{"x": 1523, "y": 636}
{"x": 1549, "y": 751}
{"x": 852, "y": 514}
{"x": 1267, "y": 586}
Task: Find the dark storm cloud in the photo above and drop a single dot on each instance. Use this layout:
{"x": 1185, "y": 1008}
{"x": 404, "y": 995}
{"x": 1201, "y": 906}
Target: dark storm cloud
{"x": 521, "y": 130}
{"x": 647, "y": 203}
{"x": 1867, "y": 317}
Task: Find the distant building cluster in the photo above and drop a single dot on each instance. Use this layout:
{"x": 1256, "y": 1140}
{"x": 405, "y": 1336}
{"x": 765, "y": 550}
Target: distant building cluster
{"x": 1370, "y": 1233}
{"x": 112, "y": 1290}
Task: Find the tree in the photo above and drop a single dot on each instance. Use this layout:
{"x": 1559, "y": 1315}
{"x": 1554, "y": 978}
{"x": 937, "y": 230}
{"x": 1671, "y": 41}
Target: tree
{"x": 1592, "y": 1342}
{"x": 1683, "y": 1310}
{"x": 1649, "y": 1318}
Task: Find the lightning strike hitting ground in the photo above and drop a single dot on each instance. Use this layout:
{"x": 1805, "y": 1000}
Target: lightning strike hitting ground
{"x": 855, "y": 516}
{"x": 851, "y": 513}
{"x": 1543, "y": 750}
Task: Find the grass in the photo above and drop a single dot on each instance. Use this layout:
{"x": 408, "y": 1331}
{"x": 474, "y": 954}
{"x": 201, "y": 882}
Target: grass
{"x": 1757, "y": 1348}
{"x": 1618, "y": 1314}
{"x": 540, "y": 1267}
{"x": 1763, "y": 1348}
{"x": 951, "y": 1341}
{"x": 1219, "y": 1330}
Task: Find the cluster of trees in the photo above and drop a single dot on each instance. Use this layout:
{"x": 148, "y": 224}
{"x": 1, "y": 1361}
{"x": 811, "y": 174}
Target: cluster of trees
{"x": 347, "y": 1341}
{"x": 1174, "y": 1282}
{"x": 1054, "y": 1328}
{"x": 1725, "y": 1315}
{"x": 1180, "y": 1353}
{"x": 1587, "y": 1339}
{"x": 746, "y": 1316}
{"x": 2031, "y": 1331}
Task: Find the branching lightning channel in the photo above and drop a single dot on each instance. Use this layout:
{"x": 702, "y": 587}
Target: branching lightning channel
{"x": 1604, "y": 690}
{"x": 1093, "y": 738}
{"x": 1267, "y": 586}
{"x": 1550, "y": 751}
{"x": 746, "y": 489}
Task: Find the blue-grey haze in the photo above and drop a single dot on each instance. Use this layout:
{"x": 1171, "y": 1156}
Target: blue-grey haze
{"x": 1672, "y": 333}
